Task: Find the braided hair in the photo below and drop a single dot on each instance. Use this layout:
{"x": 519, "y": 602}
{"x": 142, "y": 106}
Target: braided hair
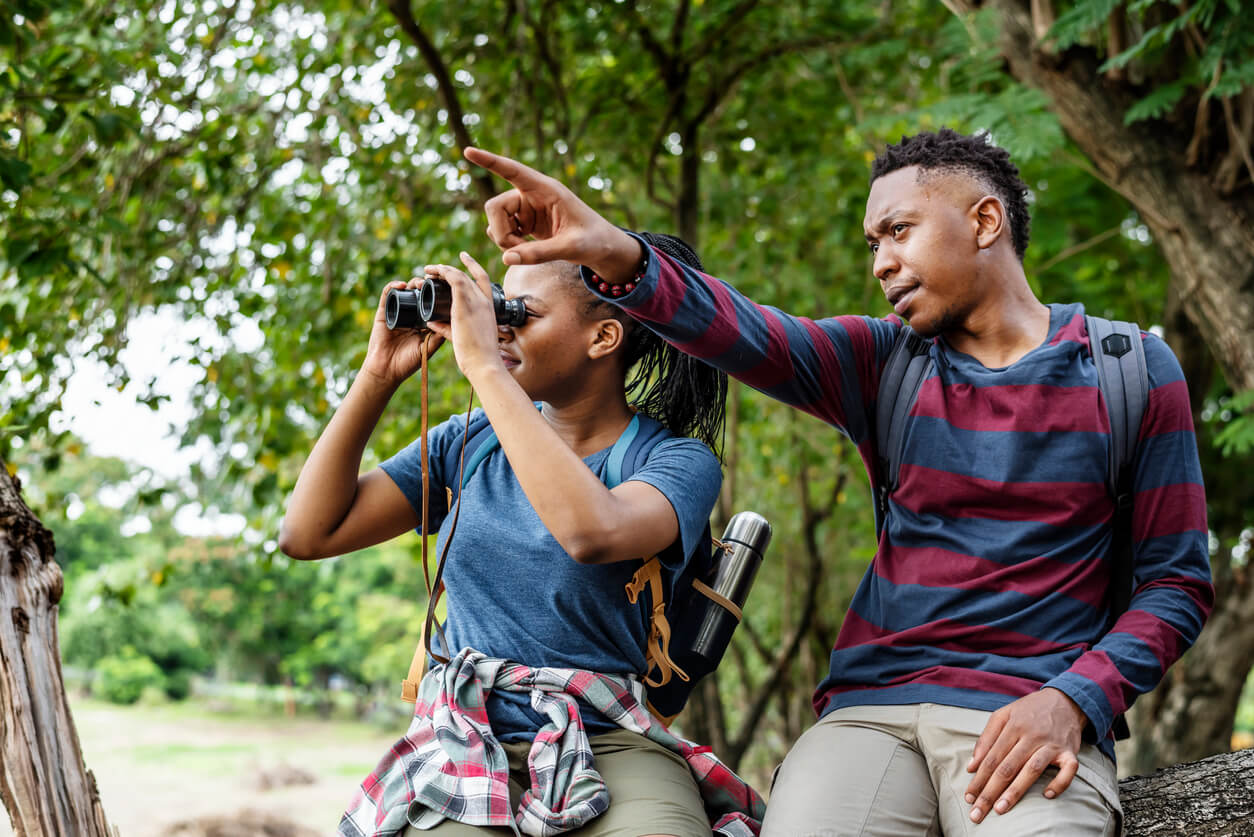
{"x": 973, "y": 155}
{"x": 685, "y": 395}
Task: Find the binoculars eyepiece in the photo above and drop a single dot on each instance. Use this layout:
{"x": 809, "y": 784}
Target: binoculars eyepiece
{"x": 434, "y": 299}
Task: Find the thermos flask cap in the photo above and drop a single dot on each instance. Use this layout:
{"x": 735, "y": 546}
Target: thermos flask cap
{"x": 750, "y": 529}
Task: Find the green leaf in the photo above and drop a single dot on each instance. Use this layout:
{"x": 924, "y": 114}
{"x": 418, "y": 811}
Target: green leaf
{"x": 1157, "y": 103}
{"x": 110, "y": 128}
{"x": 1076, "y": 23}
{"x": 14, "y": 173}
{"x": 16, "y": 250}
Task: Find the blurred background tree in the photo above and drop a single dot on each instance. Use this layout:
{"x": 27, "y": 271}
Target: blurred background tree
{"x": 259, "y": 170}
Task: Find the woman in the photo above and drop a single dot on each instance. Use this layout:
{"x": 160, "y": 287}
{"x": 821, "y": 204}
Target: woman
{"x": 545, "y": 644}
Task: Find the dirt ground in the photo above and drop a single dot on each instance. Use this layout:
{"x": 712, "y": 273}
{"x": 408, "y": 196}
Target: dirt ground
{"x": 157, "y": 766}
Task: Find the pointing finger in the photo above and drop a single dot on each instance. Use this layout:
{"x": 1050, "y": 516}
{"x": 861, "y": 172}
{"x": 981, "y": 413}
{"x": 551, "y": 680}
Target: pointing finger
{"x": 521, "y": 176}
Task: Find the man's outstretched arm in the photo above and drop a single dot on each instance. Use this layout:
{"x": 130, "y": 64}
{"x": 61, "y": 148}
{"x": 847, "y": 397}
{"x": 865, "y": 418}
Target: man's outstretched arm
{"x": 829, "y": 368}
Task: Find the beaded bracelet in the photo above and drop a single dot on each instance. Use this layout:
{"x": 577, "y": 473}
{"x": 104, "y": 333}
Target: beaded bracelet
{"x": 623, "y": 288}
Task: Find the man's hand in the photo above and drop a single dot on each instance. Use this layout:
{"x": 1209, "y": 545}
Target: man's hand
{"x": 1020, "y": 741}
{"x": 563, "y": 226}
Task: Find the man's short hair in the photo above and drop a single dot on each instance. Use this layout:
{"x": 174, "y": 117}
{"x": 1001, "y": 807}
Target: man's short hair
{"x": 972, "y": 155}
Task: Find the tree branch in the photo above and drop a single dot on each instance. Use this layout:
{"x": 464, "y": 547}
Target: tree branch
{"x": 663, "y": 59}
{"x": 448, "y": 93}
{"x": 720, "y": 33}
{"x": 725, "y": 84}
{"x": 1080, "y": 248}
{"x": 677, "y": 28}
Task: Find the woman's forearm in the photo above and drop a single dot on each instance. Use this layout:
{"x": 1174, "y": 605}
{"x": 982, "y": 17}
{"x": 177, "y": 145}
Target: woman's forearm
{"x": 328, "y": 482}
{"x": 592, "y": 523}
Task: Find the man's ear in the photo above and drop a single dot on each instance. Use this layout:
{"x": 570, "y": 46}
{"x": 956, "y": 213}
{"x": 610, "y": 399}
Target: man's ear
{"x": 988, "y": 216}
{"x": 608, "y": 335}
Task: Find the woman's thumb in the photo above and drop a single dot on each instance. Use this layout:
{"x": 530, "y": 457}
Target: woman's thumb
{"x": 563, "y": 248}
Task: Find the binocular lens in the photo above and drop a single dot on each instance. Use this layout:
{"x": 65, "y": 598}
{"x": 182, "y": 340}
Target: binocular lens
{"x": 433, "y": 302}
{"x": 401, "y": 310}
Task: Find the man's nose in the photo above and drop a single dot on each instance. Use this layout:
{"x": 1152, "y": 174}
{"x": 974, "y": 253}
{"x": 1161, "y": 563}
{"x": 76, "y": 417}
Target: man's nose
{"x": 885, "y": 264}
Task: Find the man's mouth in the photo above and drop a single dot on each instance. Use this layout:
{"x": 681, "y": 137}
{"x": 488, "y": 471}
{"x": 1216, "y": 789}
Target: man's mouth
{"x": 899, "y": 297}
{"x": 509, "y": 360}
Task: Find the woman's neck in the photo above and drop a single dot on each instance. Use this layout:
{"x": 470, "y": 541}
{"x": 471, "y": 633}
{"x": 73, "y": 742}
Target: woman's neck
{"x": 589, "y": 422}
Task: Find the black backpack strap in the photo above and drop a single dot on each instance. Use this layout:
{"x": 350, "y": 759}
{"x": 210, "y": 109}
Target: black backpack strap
{"x": 1123, "y": 377}
{"x": 1124, "y": 380}
{"x": 908, "y": 365}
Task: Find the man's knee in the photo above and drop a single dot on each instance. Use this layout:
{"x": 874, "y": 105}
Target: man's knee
{"x": 844, "y": 779}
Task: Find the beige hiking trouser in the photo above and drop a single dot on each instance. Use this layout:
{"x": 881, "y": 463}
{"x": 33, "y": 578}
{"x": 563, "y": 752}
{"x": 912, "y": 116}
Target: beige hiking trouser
{"x": 901, "y": 770}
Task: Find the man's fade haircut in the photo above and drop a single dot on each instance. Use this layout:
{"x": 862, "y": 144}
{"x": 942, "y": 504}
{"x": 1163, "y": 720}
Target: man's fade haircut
{"x": 973, "y": 155}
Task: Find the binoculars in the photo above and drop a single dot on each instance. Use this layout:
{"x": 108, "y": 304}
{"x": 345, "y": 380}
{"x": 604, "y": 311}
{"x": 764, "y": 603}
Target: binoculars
{"x": 434, "y": 299}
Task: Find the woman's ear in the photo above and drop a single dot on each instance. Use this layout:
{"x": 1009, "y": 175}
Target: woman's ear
{"x": 989, "y": 218}
{"x": 609, "y": 334}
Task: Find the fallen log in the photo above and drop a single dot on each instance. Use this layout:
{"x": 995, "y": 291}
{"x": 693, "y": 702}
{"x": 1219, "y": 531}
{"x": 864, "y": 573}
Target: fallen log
{"x": 1213, "y": 797}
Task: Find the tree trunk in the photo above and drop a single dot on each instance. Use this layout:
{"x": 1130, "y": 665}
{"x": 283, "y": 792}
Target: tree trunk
{"x": 1211, "y": 798}
{"x": 1207, "y": 239}
{"x": 1191, "y": 713}
{"x": 44, "y": 784}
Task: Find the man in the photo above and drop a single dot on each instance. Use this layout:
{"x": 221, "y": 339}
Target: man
{"x": 975, "y": 657}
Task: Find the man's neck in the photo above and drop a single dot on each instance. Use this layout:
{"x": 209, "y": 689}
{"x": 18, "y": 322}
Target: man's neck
{"x": 1010, "y": 323}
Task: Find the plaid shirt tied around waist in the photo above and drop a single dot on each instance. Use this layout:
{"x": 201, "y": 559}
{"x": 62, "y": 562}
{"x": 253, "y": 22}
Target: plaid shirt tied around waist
{"x": 449, "y": 765}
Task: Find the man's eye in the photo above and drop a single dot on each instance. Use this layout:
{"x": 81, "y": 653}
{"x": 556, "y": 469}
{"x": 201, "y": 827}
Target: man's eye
{"x": 898, "y": 228}
{"x": 874, "y": 248}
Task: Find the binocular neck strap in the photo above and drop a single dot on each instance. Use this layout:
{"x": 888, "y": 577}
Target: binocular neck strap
{"x": 435, "y": 586}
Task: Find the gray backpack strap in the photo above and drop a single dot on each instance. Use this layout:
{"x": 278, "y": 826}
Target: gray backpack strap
{"x": 1123, "y": 378}
{"x": 907, "y": 367}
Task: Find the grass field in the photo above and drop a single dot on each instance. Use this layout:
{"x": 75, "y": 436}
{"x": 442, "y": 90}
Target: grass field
{"x": 158, "y": 765}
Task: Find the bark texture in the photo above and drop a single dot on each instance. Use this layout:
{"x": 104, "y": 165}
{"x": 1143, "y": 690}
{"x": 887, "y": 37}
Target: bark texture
{"x": 45, "y": 787}
{"x": 1209, "y": 798}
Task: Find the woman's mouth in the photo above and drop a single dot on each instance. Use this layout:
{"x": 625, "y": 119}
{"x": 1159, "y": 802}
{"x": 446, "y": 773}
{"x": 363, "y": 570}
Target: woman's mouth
{"x": 509, "y": 360}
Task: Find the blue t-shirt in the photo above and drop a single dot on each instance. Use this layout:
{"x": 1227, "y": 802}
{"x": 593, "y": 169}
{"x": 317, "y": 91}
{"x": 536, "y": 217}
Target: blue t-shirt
{"x": 513, "y": 592}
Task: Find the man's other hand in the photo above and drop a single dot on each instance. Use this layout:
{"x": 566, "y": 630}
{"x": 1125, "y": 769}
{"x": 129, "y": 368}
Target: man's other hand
{"x": 1021, "y": 740}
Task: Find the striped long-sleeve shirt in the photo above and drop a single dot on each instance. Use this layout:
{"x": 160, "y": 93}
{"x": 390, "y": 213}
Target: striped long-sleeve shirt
{"x": 991, "y": 577}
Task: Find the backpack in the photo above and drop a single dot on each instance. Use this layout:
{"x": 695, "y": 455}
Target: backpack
{"x": 1123, "y": 379}
{"x": 666, "y": 604}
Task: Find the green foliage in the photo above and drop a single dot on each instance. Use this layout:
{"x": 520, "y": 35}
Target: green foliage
{"x": 123, "y": 677}
{"x": 1236, "y": 438}
{"x": 1184, "y": 51}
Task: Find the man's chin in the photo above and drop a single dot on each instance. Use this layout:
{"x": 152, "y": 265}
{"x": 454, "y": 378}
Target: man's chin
{"x": 924, "y": 327}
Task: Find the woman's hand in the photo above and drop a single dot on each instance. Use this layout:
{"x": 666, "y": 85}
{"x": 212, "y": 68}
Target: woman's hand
{"x": 472, "y": 327}
{"x": 392, "y": 356}
{"x": 564, "y": 227}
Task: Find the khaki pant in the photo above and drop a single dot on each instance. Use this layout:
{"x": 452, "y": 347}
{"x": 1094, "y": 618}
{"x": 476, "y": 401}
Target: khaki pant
{"x": 651, "y": 791}
{"x": 901, "y": 770}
